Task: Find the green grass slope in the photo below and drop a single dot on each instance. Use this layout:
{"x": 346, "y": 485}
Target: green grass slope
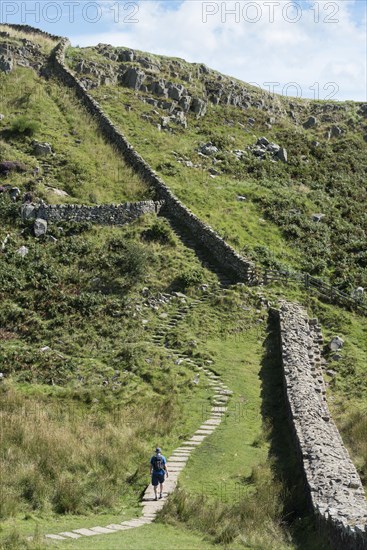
{"x": 274, "y": 223}
{"x": 88, "y": 391}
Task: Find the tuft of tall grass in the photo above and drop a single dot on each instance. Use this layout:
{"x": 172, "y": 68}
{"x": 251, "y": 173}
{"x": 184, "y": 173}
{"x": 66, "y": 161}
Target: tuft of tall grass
{"x": 355, "y": 434}
{"x": 71, "y": 461}
{"x": 254, "y": 519}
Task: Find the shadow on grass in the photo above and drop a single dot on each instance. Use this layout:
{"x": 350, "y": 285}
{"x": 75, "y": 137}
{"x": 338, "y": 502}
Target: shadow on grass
{"x": 297, "y": 514}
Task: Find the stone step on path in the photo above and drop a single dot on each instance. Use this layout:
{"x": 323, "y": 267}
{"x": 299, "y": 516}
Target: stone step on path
{"x": 179, "y": 457}
{"x": 150, "y": 506}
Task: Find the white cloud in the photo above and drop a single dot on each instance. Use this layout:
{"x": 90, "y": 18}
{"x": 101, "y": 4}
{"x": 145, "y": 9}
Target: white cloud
{"x": 280, "y": 51}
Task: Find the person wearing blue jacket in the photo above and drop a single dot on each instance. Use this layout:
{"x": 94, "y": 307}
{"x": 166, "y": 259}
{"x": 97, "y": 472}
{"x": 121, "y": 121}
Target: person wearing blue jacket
{"x": 158, "y": 471}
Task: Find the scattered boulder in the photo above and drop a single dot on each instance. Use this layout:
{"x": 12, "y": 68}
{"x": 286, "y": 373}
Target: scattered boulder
{"x": 241, "y": 198}
{"x": 199, "y": 106}
{"x": 177, "y": 118}
{"x": 14, "y": 193}
{"x": 334, "y": 132}
{"x": 358, "y": 293}
{"x": 42, "y": 149}
{"x": 159, "y": 88}
{"x": 331, "y": 373}
{"x": 23, "y": 251}
{"x": 45, "y": 348}
{"x": 203, "y": 69}
{"x": 165, "y": 120}
{"x": 40, "y": 227}
{"x": 133, "y": 78}
{"x": 282, "y": 155}
{"x": 58, "y": 192}
{"x": 310, "y": 123}
{"x": 2, "y": 116}
{"x": 208, "y": 149}
{"x": 273, "y": 148}
{"x": 5, "y": 241}
{"x": 263, "y": 147}
{"x": 239, "y": 153}
{"x": 28, "y": 211}
{"x": 6, "y": 64}
{"x": 180, "y": 118}
{"x": 336, "y": 343}
{"x": 175, "y": 91}
{"x": 126, "y": 56}
{"x": 262, "y": 141}
{"x": 185, "y": 103}
{"x": 317, "y": 217}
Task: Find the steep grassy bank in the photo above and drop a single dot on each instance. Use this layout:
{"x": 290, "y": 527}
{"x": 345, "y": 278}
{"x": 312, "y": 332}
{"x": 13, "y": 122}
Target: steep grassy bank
{"x": 82, "y": 164}
{"x": 274, "y": 222}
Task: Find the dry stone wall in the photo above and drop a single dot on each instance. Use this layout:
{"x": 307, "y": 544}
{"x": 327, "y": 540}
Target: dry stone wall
{"x": 106, "y": 214}
{"x": 225, "y": 255}
{"x": 333, "y": 483}
{"x": 27, "y": 29}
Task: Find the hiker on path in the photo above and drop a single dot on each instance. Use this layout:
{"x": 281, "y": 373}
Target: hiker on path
{"x": 158, "y": 469}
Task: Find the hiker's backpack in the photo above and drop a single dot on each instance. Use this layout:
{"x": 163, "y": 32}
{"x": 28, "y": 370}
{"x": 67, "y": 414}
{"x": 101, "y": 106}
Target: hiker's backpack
{"x": 158, "y": 463}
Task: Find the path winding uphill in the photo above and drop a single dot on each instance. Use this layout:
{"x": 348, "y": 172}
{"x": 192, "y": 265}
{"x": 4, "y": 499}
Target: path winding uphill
{"x": 178, "y": 459}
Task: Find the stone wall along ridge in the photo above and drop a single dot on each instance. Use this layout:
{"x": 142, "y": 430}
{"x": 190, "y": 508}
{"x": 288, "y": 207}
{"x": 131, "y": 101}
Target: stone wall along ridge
{"x": 204, "y": 235}
{"x": 27, "y": 29}
{"x": 335, "y": 489}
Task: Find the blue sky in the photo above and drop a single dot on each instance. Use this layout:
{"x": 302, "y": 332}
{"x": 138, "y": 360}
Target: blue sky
{"x": 305, "y": 48}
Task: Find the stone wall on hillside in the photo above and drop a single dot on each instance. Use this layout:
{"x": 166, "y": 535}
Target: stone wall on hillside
{"x": 225, "y": 255}
{"x": 106, "y": 214}
{"x": 333, "y": 484}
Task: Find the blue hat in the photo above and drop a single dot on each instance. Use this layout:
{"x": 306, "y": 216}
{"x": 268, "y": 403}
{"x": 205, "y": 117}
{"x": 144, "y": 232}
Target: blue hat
{"x": 158, "y": 450}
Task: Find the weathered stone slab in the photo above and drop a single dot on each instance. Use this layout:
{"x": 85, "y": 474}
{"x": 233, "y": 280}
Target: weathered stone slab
{"x": 117, "y": 527}
{"x": 102, "y": 530}
{"x": 70, "y": 534}
{"x": 85, "y": 532}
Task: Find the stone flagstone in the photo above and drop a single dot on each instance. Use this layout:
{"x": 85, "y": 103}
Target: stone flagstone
{"x": 103, "y": 530}
{"x": 70, "y": 534}
{"x": 85, "y": 532}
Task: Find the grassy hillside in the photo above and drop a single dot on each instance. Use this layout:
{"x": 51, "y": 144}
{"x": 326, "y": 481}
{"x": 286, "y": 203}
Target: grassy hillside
{"x": 93, "y": 377}
{"x": 274, "y": 221}
{"x": 323, "y": 174}
{"x": 82, "y": 164}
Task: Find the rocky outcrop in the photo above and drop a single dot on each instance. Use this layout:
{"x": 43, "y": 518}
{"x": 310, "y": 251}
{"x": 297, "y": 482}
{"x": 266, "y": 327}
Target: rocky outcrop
{"x": 335, "y": 489}
{"x": 311, "y": 122}
{"x": 133, "y": 78}
{"x": 24, "y": 54}
{"x": 42, "y": 149}
{"x": 199, "y": 106}
{"x": 263, "y": 149}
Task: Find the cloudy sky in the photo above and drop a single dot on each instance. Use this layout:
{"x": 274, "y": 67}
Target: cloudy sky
{"x": 303, "y": 47}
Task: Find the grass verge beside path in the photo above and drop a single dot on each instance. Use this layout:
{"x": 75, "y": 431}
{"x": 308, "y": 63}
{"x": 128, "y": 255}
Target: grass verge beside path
{"x": 150, "y": 537}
